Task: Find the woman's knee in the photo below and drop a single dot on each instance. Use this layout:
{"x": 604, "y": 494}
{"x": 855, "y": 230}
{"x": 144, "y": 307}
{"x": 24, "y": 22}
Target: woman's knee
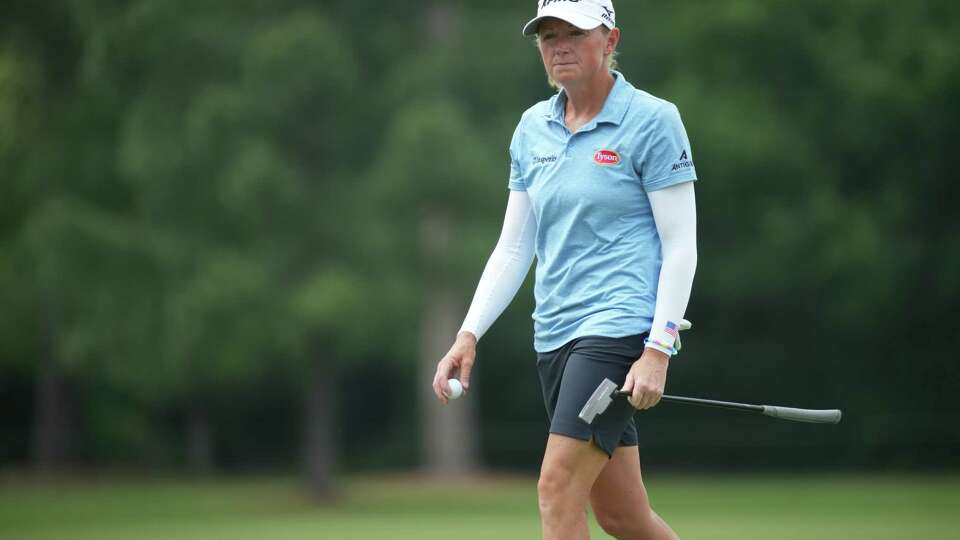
{"x": 632, "y": 525}
{"x": 560, "y": 490}
{"x": 618, "y": 524}
{"x": 554, "y": 485}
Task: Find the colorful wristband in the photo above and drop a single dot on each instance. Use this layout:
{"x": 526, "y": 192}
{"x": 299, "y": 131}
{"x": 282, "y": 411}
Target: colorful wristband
{"x": 660, "y": 346}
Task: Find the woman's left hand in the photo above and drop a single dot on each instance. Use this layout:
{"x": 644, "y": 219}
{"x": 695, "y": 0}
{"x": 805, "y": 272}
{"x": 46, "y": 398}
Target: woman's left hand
{"x": 647, "y": 379}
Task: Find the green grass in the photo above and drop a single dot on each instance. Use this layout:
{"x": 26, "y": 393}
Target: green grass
{"x": 710, "y": 507}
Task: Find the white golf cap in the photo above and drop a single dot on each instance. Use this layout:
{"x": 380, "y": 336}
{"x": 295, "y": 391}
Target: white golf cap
{"x": 584, "y": 14}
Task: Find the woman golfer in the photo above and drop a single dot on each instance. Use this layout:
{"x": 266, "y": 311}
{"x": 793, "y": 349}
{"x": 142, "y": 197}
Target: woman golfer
{"x": 601, "y": 193}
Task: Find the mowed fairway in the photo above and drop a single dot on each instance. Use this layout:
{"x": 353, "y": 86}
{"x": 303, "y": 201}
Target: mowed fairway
{"x": 710, "y": 507}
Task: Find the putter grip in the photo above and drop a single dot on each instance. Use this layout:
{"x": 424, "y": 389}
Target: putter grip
{"x": 831, "y": 416}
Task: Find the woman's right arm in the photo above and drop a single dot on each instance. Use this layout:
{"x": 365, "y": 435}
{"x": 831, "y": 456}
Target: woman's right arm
{"x": 507, "y": 267}
{"x": 501, "y": 279}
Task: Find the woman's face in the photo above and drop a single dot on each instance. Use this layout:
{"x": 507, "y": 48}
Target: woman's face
{"x": 571, "y": 54}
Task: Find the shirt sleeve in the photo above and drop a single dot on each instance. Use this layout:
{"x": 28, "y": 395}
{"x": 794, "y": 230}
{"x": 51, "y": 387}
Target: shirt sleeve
{"x": 507, "y": 267}
{"x": 517, "y": 182}
{"x": 675, "y": 214}
{"x": 667, "y": 159}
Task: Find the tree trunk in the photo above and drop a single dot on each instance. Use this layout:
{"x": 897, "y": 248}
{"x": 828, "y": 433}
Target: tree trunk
{"x": 440, "y": 19}
{"x": 321, "y": 432}
{"x": 449, "y": 433}
{"x": 200, "y": 442}
{"x": 53, "y": 427}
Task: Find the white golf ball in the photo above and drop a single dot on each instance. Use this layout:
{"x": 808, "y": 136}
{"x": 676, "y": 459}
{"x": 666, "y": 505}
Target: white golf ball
{"x": 456, "y": 389}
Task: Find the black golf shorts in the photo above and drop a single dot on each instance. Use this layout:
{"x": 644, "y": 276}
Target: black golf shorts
{"x": 570, "y": 374}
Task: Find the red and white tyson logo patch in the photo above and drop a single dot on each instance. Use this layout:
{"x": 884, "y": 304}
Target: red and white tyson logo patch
{"x": 606, "y": 157}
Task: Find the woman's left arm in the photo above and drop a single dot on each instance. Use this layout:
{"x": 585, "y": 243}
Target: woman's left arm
{"x": 675, "y": 214}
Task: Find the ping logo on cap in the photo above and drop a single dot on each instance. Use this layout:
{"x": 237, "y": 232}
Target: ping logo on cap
{"x": 606, "y": 157}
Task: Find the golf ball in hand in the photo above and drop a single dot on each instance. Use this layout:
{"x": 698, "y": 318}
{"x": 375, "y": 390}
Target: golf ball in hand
{"x": 456, "y": 389}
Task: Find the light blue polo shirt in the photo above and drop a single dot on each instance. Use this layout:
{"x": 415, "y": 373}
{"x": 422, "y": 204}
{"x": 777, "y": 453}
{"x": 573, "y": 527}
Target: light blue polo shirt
{"x": 598, "y": 252}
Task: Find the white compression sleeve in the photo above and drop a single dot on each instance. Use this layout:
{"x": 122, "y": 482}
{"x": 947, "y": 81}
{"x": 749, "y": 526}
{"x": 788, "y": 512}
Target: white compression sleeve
{"x": 675, "y": 214}
{"x": 508, "y": 265}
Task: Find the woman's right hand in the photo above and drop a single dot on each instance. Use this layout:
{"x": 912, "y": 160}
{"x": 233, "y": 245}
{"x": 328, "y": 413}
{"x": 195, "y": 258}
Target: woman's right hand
{"x": 456, "y": 364}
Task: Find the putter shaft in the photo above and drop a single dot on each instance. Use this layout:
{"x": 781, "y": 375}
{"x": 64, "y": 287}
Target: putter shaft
{"x": 707, "y": 402}
{"x": 813, "y": 416}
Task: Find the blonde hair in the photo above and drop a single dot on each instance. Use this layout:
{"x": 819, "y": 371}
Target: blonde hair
{"x": 610, "y": 60}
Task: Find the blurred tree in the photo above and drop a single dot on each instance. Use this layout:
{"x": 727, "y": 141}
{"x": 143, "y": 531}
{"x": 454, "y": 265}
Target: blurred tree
{"x": 70, "y": 247}
{"x": 228, "y": 143}
{"x": 235, "y": 149}
{"x": 88, "y": 271}
{"x": 432, "y": 174}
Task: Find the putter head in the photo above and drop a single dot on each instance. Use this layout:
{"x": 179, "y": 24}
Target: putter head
{"x": 601, "y": 399}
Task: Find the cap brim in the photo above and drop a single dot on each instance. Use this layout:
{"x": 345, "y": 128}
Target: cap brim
{"x": 583, "y": 22}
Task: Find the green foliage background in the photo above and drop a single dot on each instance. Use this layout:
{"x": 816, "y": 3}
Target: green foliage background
{"x": 195, "y": 197}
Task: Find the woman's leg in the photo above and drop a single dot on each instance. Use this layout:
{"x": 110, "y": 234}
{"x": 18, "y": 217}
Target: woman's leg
{"x": 570, "y": 467}
{"x": 620, "y": 502}
{"x": 576, "y": 452}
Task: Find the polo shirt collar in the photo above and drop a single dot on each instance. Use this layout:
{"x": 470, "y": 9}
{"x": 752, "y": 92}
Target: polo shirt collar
{"x": 614, "y": 109}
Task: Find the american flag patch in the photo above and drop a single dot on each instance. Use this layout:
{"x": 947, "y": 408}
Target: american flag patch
{"x": 672, "y": 329}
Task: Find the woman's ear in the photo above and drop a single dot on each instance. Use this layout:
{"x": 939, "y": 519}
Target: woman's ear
{"x": 613, "y": 39}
